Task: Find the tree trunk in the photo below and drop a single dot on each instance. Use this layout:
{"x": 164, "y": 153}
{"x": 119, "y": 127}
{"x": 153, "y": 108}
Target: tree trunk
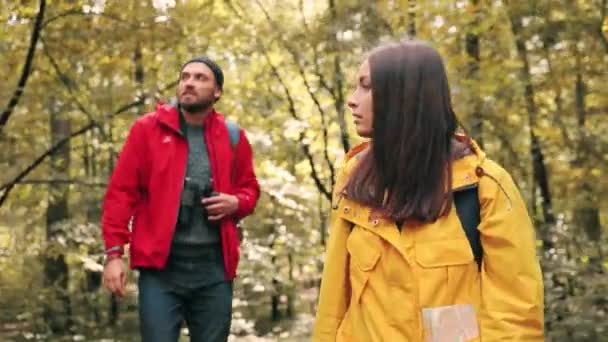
{"x": 602, "y": 31}
{"x": 540, "y": 175}
{"x": 91, "y": 154}
{"x": 114, "y": 313}
{"x": 290, "y": 295}
{"x": 114, "y": 310}
{"x": 411, "y": 19}
{"x": 57, "y": 310}
{"x": 586, "y": 212}
{"x": 275, "y": 298}
{"x": 92, "y": 280}
{"x": 138, "y": 73}
{"x": 339, "y": 87}
{"x": 472, "y": 49}
{"x": 322, "y": 220}
{"x": 323, "y": 229}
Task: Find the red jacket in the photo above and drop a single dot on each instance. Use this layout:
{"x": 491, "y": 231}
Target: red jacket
{"x": 147, "y": 182}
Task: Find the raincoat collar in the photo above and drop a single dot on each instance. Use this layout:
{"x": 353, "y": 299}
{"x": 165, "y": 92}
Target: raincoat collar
{"x": 169, "y": 116}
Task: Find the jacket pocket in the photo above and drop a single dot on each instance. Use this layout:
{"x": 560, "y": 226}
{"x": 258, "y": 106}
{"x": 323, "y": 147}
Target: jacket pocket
{"x": 448, "y": 271}
{"x": 444, "y": 253}
{"x": 364, "y": 249}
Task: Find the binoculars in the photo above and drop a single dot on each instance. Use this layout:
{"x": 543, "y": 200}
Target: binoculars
{"x": 190, "y": 201}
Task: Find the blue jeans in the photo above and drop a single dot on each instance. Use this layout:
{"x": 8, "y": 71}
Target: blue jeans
{"x": 207, "y": 310}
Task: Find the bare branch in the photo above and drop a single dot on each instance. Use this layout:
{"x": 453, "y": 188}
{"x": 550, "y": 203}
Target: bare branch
{"x": 62, "y": 181}
{"x": 557, "y": 98}
{"x": 315, "y": 53}
{"x": 25, "y": 73}
{"x": 292, "y": 109}
{"x": 79, "y": 12}
{"x": 294, "y": 114}
{"x": 8, "y": 186}
{"x": 67, "y": 82}
{"x": 311, "y": 93}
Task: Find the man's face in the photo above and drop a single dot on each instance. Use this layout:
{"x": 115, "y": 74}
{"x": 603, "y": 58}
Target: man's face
{"x": 197, "y": 89}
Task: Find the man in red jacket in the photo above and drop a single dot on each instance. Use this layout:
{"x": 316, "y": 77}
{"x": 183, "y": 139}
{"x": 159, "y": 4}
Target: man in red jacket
{"x": 183, "y": 180}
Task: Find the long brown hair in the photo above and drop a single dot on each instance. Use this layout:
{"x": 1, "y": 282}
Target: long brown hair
{"x": 406, "y": 174}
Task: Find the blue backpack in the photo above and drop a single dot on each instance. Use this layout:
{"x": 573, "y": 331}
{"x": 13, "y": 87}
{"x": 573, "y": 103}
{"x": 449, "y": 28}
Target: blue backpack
{"x": 233, "y": 131}
{"x": 467, "y": 208}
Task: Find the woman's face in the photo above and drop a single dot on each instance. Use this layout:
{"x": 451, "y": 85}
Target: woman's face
{"x": 360, "y": 102}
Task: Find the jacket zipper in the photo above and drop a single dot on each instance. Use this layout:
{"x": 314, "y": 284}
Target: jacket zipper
{"x": 181, "y": 187}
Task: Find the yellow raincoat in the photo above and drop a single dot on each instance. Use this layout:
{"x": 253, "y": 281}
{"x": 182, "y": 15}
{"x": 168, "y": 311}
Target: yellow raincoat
{"x": 382, "y": 284}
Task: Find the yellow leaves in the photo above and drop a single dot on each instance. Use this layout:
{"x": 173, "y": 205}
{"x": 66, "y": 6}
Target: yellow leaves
{"x": 302, "y": 168}
{"x": 580, "y": 173}
{"x": 514, "y": 119}
{"x": 577, "y": 173}
{"x": 557, "y": 14}
{"x": 293, "y": 128}
{"x": 27, "y": 12}
{"x": 105, "y": 60}
{"x": 4, "y": 239}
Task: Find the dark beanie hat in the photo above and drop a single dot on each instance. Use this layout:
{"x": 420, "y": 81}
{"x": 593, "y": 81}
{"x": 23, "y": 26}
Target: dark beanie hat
{"x": 217, "y": 71}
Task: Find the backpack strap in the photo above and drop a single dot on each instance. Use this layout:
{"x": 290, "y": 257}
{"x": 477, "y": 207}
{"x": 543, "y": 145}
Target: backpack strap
{"x": 234, "y": 132}
{"x": 467, "y": 207}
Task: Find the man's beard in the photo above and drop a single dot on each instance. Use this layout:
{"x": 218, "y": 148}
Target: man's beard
{"x": 196, "y": 107}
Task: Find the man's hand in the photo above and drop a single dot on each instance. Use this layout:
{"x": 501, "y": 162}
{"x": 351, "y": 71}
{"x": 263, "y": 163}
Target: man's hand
{"x": 220, "y": 206}
{"x": 115, "y": 276}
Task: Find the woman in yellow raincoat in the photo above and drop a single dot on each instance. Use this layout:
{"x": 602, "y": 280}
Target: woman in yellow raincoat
{"x": 399, "y": 266}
